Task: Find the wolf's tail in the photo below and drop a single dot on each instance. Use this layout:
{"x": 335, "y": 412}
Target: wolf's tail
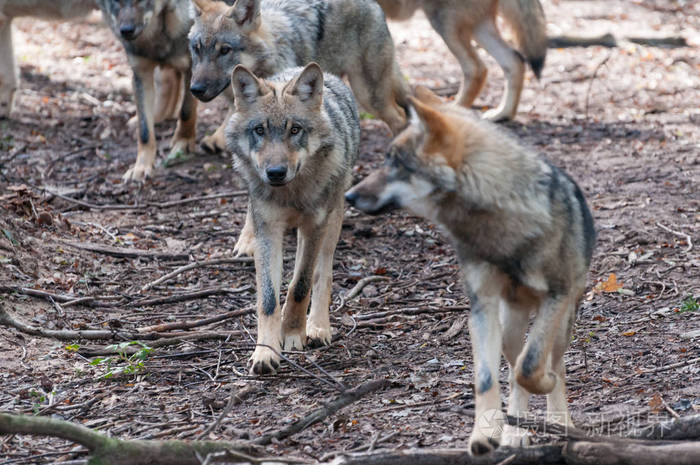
{"x": 527, "y": 20}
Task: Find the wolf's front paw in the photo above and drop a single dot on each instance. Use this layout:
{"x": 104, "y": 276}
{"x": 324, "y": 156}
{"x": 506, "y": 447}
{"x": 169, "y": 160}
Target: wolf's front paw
{"x": 481, "y": 445}
{"x": 486, "y": 435}
{"x": 133, "y": 124}
{"x": 214, "y": 143}
{"x": 181, "y": 150}
{"x": 245, "y": 245}
{"x": 138, "y": 172}
{"x": 496, "y": 115}
{"x": 264, "y": 361}
{"x": 318, "y": 335}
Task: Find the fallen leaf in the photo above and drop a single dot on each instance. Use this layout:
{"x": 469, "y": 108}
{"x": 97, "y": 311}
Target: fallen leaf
{"x": 656, "y": 403}
{"x": 609, "y": 285}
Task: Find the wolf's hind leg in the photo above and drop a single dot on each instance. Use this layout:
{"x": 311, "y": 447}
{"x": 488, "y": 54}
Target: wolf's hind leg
{"x": 513, "y": 65}
{"x": 557, "y": 405}
{"x": 534, "y": 366}
{"x": 170, "y": 92}
{"x": 380, "y": 88}
{"x": 459, "y": 41}
{"x": 245, "y": 245}
{"x": 182, "y": 144}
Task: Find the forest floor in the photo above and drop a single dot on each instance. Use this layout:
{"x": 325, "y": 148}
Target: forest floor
{"x": 624, "y": 122}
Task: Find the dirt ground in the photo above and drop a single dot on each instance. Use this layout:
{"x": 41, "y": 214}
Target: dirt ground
{"x": 624, "y": 122}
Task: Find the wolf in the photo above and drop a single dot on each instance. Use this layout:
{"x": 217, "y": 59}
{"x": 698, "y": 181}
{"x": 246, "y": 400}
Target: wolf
{"x": 524, "y": 238}
{"x": 346, "y": 37}
{"x": 168, "y": 83}
{"x": 294, "y": 139}
{"x": 154, "y": 34}
{"x": 45, "y": 9}
{"x": 460, "y": 21}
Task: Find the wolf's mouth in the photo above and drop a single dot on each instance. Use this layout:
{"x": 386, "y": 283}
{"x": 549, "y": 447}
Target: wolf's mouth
{"x": 278, "y": 183}
{"x": 206, "y": 94}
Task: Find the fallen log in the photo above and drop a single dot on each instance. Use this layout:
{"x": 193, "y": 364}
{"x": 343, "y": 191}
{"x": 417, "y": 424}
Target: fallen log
{"x": 126, "y": 252}
{"x": 106, "y": 450}
{"x": 609, "y": 40}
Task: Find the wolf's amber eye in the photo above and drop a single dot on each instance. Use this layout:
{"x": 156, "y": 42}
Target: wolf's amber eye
{"x": 295, "y": 130}
{"x": 225, "y": 50}
{"x": 259, "y": 130}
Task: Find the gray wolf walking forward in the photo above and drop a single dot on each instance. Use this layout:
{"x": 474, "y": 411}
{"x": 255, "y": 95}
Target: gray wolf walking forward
{"x": 346, "y": 37}
{"x": 154, "y": 34}
{"x": 524, "y": 239}
{"x": 460, "y": 21}
{"x": 294, "y": 139}
{"x": 9, "y": 9}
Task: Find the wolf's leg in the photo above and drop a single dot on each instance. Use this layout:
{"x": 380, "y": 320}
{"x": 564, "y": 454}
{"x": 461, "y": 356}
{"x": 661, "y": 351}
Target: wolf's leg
{"x": 268, "y": 276}
{"x": 487, "y": 35}
{"x": 144, "y": 95}
{"x": 557, "y": 405}
{"x": 318, "y": 326}
{"x": 183, "y": 142}
{"x": 379, "y": 87}
{"x": 459, "y": 41}
{"x": 8, "y": 69}
{"x": 484, "y": 284}
{"x": 514, "y": 322}
{"x": 534, "y": 366}
{"x": 296, "y": 304}
{"x": 245, "y": 245}
{"x": 169, "y": 93}
{"x": 169, "y": 96}
{"x": 216, "y": 142}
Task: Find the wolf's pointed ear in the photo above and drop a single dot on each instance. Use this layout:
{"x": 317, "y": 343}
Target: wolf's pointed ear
{"x": 246, "y": 13}
{"x": 308, "y": 86}
{"x": 426, "y": 96}
{"x": 199, "y": 6}
{"x": 434, "y": 121}
{"x": 246, "y": 87}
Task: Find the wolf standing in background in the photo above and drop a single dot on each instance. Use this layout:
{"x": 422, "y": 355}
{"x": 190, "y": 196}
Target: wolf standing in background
{"x": 524, "y": 239}
{"x": 346, "y": 37}
{"x": 294, "y": 139}
{"x": 460, "y": 21}
{"x": 46, "y": 9}
{"x": 154, "y": 33}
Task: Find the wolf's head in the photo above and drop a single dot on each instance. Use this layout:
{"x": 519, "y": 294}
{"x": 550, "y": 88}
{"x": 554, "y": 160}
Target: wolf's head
{"x": 129, "y": 18}
{"x": 222, "y": 37}
{"x": 276, "y": 125}
{"x": 421, "y": 162}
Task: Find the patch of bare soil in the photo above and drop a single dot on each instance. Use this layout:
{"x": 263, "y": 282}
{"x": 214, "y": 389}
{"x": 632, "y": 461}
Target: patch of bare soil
{"x": 624, "y": 122}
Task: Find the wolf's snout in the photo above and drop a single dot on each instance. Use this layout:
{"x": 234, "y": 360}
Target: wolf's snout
{"x": 127, "y": 31}
{"x": 276, "y": 173}
{"x": 351, "y": 197}
{"x": 198, "y": 89}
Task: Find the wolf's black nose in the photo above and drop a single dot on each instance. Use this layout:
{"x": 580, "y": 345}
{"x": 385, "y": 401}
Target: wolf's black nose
{"x": 351, "y": 197}
{"x": 276, "y": 173}
{"x": 127, "y": 31}
{"x": 198, "y": 89}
